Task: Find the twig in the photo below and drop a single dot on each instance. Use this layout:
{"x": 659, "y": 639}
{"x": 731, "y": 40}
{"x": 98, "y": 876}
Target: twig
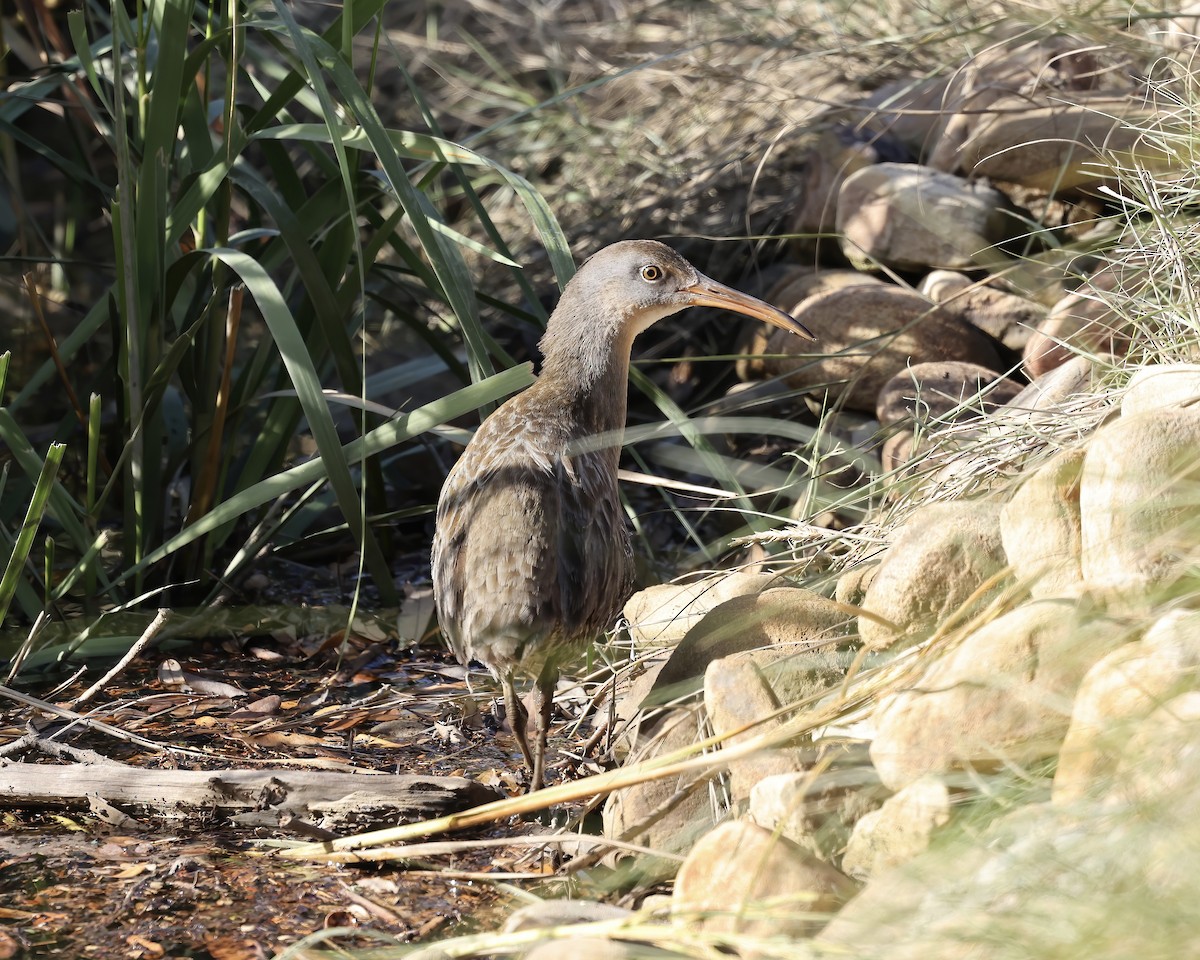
{"x": 143, "y": 641}
{"x": 98, "y": 725}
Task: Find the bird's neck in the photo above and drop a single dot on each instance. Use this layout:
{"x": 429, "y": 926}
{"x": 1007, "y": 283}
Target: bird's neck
{"x": 587, "y": 370}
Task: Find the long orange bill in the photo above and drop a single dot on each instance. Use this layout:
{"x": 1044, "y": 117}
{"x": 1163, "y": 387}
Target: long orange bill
{"x": 708, "y": 293}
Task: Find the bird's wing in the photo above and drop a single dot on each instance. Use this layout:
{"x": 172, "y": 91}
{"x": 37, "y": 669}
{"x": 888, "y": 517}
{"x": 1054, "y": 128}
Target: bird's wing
{"x": 531, "y": 546}
{"x": 594, "y": 553}
{"x": 497, "y": 527}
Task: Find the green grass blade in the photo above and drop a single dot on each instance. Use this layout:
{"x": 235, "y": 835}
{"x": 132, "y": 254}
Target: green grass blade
{"x": 381, "y": 438}
{"x": 42, "y": 489}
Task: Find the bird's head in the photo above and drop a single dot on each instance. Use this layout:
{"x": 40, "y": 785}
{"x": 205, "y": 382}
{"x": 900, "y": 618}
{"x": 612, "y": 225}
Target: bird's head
{"x": 638, "y": 282}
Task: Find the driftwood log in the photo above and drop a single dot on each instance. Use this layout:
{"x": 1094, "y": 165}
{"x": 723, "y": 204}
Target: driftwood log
{"x": 334, "y": 800}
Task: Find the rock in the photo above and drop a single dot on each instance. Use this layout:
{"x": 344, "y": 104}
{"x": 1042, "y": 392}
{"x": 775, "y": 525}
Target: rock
{"x": 1137, "y": 502}
{"x": 793, "y": 289}
{"x": 909, "y": 217}
{"x": 562, "y": 913}
{"x": 1160, "y": 768}
{"x": 667, "y": 815}
{"x": 781, "y": 615}
{"x": 1161, "y": 385}
{"x": 995, "y": 698}
{"x": 942, "y": 286}
{"x": 1183, "y": 29}
{"x": 898, "y": 450}
{"x": 743, "y": 879}
{"x": 817, "y": 808}
{"x": 1119, "y": 692}
{"x": 1044, "y": 400}
{"x": 936, "y": 561}
{"x": 1051, "y": 145}
{"x": 736, "y": 696}
{"x": 1006, "y": 316}
{"x": 899, "y": 830}
{"x": 1081, "y": 322}
{"x": 747, "y": 689}
{"x": 837, "y": 154}
{"x": 852, "y": 585}
{"x": 660, "y": 615}
{"x": 1040, "y": 528}
{"x": 867, "y": 334}
{"x": 944, "y": 392}
{"x": 999, "y": 70}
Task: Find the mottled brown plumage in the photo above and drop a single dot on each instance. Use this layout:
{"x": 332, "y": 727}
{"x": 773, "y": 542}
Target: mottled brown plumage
{"x": 531, "y": 556}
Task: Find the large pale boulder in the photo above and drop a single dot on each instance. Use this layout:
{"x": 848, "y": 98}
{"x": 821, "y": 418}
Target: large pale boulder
{"x": 1117, "y": 694}
{"x": 909, "y": 217}
{"x": 1139, "y": 502}
{"x": 936, "y": 562}
{"x": 1162, "y": 385}
{"x": 1040, "y": 528}
{"x": 741, "y": 878}
{"x": 866, "y": 334}
{"x": 1000, "y": 696}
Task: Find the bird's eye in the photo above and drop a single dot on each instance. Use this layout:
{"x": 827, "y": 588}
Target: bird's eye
{"x": 651, "y": 273}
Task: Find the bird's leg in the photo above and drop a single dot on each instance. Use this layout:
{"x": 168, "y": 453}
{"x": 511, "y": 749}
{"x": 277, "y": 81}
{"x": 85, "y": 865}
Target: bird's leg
{"x": 541, "y": 700}
{"x": 518, "y": 718}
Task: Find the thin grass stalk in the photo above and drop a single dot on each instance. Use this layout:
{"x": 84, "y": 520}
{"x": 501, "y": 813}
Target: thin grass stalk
{"x": 34, "y": 513}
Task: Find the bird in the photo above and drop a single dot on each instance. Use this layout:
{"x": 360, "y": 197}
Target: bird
{"x": 531, "y": 556}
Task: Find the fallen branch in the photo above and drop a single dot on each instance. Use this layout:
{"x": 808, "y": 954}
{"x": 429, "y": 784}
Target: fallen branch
{"x": 336, "y": 798}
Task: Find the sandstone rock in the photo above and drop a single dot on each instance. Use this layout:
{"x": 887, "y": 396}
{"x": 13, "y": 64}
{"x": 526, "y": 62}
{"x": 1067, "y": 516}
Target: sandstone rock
{"x": 938, "y": 559}
{"x": 1137, "y": 502}
{"x": 867, "y": 334}
{"x": 780, "y": 615}
{"x": 1080, "y": 322}
{"x": 1119, "y": 692}
{"x": 852, "y": 585}
{"x": 817, "y": 808}
{"x": 596, "y": 948}
{"x": 1160, "y": 769}
{"x": 942, "y": 286}
{"x": 1040, "y": 528}
{"x": 666, "y": 815}
{"x": 837, "y": 154}
{"x": 742, "y": 879}
{"x": 1043, "y": 401}
{"x": 899, "y": 830}
{"x": 1045, "y": 143}
{"x": 907, "y": 216}
{"x": 1006, "y": 316}
{"x": 1162, "y": 385}
{"x": 744, "y": 691}
{"x": 737, "y": 696}
{"x": 944, "y": 391}
{"x": 998, "y": 697}
{"x": 660, "y": 615}
{"x": 1002, "y": 69}
{"x": 898, "y": 450}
